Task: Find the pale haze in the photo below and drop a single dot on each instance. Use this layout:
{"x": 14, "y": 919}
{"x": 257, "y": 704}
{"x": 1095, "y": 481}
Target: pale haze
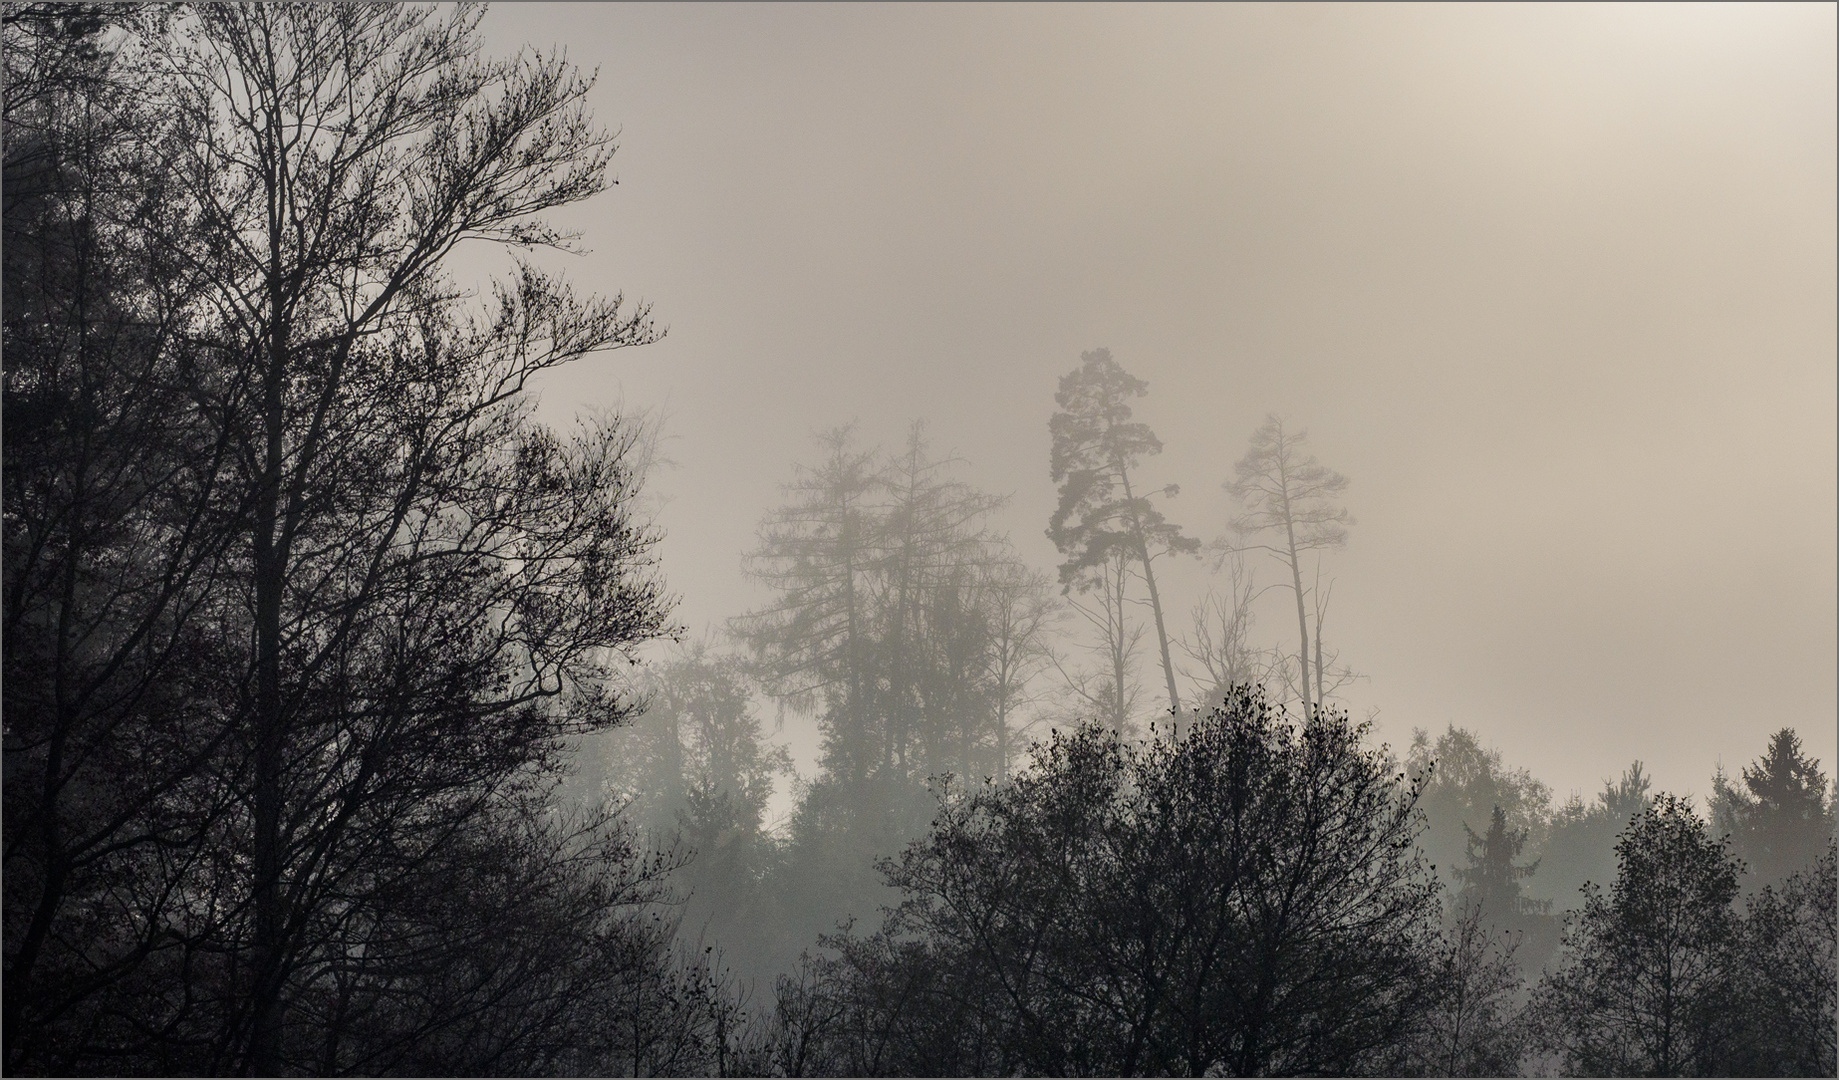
{"x": 1553, "y": 286}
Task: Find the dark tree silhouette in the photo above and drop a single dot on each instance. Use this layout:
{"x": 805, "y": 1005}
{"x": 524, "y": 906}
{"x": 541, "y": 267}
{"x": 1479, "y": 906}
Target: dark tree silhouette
{"x": 1644, "y": 982}
{"x": 1788, "y": 982}
{"x": 1491, "y": 881}
{"x": 1780, "y": 821}
{"x": 1242, "y": 899}
{"x": 120, "y": 641}
{"x": 1491, "y": 892}
{"x": 1664, "y": 978}
{"x": 300, "y": 601}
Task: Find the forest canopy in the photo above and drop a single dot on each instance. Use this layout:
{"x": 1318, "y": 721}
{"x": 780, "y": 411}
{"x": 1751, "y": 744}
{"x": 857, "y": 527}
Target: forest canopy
{"x": 349, "y": 729}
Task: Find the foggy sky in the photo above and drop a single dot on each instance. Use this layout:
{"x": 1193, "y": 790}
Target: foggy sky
{"x": 1554, "y": 286}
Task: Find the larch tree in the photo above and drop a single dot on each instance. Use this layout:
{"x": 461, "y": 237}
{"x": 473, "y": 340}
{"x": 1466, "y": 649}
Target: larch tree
{"x": 936, "y": 541}
{"x": 1105, "y": 520}
{"x": 817, "y": 552}
{"x": 1288, "y": 496}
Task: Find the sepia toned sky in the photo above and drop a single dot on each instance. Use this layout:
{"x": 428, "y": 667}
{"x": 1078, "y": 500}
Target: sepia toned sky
{"x": 1554, "y": 286}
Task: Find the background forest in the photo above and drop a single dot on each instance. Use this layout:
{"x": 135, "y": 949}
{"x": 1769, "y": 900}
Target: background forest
{"x": 348, "y": 729}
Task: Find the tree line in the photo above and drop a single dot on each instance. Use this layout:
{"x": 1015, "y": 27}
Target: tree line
{"x": 1246, "y": 885}
{"x": 329, "y": 749}
{"x": 1247, "y": 898}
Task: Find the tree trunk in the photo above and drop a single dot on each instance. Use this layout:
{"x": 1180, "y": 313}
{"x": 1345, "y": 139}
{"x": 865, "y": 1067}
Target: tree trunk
{"x": 1155, "y": 599}
{"x": 1321, "y": 694}
{"x": 1119, "y": 645}
{"x": 270, "y": 573}
{"x": 853, "y": 707}
{"x": 265, "y": 992}
{"x": 1302, "y": 620}
{"x": 1162, "y": 634}
{"x": 1002, "y": 742}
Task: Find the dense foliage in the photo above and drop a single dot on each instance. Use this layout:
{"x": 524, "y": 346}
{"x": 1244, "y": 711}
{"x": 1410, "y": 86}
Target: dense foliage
{"x": 1243, "y": 897}
{"x": 1663, "y": 976}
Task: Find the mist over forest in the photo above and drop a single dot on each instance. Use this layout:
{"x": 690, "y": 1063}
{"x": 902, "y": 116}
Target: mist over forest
{"x": 919, "y": 541}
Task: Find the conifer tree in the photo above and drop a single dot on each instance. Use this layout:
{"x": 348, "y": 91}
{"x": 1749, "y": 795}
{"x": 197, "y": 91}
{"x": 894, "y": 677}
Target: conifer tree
{"x": 1491, "y": 881}
{"x": 1780, "y": 820}
{"x": 1105, "y": 521}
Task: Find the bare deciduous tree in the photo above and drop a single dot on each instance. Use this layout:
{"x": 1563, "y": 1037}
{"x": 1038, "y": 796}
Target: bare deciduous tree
{"x": 1111, "y": 692}
{"x": 1019, "y": 612}
{"x": 1221, "y": 645}
{"x": 1293, "y": 499}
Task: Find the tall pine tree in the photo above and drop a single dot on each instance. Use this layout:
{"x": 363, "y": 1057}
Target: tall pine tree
{"x": 1105, "y": 523}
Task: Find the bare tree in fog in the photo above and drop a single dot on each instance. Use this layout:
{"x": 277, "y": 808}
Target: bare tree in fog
{"x": 1328, "y": 677}
{"x": 325, "y": 243}
{"x": 935, "y": 543}
{"x": 1111, "y": 693}
{"x": 910, "y": 631}
{"x": 1293, "y": 498}
{"x": 880, "y": 623}
{"x": 1020, "y": 611}
{"x": 1221, "y": 644}
{"x": 1102, "y": 523}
